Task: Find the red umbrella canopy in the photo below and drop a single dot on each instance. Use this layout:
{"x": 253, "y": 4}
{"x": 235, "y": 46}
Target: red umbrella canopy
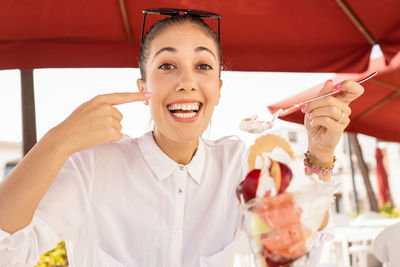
{"x": 260, "y": 35}
{"x": 375, "y": 113}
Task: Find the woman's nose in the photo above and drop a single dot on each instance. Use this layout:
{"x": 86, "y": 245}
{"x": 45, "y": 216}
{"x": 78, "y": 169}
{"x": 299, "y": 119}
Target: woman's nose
{"x": 187, "y": 81}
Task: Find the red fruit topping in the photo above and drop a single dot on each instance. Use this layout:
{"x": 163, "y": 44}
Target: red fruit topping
{"x": 286, "y": 177}
{"x": 249, "y": 185}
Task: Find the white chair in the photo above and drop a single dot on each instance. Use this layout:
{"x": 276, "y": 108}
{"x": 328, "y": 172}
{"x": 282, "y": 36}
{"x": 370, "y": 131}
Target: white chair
{"x": 360, "y": 253}
{"x": 386, "y": 246}
{"x": 358, "y": 250}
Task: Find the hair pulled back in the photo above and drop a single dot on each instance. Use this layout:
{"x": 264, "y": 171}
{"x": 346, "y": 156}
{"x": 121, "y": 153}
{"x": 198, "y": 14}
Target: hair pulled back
{"x": 161, "y": 25}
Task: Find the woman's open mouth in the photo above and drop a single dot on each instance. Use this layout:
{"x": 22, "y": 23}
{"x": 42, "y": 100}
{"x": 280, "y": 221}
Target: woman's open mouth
{"x": 184, "y": 110}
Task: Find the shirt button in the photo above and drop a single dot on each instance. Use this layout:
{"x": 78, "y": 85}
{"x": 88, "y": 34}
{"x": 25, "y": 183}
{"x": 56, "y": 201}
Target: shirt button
{"x": 182, "y": 168}
{"x": 180, "y": 190}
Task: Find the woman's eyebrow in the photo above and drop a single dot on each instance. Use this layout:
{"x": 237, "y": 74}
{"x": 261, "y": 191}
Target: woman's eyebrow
{"x": 169, "y": 49}
{"x": 173, "y": 50}
{"x": 202, "y": 48}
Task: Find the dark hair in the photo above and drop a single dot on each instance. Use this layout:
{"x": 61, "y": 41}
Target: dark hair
{"x": 163, "y": 24}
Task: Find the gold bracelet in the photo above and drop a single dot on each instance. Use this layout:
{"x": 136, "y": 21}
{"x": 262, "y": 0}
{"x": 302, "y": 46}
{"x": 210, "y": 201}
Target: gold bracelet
{"x": 313, "y": 164}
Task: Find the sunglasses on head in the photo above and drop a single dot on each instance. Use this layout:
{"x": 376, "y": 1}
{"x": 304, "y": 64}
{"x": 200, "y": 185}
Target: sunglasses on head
{"x": 175, "y": 12}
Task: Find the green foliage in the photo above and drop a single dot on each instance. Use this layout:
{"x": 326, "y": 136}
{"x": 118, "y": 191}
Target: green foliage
{"x": 56, "y": 257}
{"x": 389, "y": 211}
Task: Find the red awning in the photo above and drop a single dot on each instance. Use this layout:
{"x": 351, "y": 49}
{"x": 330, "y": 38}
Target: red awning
{"x": 259, "y": 35}
{"x": 375, "y": 113}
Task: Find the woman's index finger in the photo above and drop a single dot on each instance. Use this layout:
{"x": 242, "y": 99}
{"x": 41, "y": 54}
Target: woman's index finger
{"x": 122, "y": 98}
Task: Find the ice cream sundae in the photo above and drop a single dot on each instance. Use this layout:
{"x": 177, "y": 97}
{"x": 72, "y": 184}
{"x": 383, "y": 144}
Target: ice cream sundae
{"x": 283, "y": 208}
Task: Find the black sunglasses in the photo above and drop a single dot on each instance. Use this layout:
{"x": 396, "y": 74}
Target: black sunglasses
{"x": 175, "y": 12}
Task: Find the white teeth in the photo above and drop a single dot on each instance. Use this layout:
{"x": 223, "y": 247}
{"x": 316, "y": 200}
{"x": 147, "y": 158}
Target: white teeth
{"x": 188, "y": 106}
{"x": 184, "y": 115}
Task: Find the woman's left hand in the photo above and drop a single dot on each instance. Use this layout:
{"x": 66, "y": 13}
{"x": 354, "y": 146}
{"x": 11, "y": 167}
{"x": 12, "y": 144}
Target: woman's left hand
{"x": 325, "y": 119}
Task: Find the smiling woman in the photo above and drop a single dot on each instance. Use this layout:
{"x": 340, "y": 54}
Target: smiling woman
{"x": 166, "y": 198}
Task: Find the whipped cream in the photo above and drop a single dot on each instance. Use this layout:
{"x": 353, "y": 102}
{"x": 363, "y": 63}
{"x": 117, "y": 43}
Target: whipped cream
{"x": 314, "y": 200}
{"x": 263, "y": 162}
{"x": 266, "y": 182}
{"x": 252, "y": 125}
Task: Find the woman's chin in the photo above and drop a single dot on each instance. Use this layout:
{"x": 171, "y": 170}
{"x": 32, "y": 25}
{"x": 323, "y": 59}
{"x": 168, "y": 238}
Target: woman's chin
{"x": 180, "y": 134}
{"x": 187, "y": 136}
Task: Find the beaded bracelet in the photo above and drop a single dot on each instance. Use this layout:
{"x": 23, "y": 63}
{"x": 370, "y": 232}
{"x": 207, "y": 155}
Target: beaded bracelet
{"x": 313, "y": 165}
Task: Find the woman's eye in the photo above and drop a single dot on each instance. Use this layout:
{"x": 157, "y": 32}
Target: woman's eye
{"x": 166, "y": 66}
{"x": 204, "y": 66}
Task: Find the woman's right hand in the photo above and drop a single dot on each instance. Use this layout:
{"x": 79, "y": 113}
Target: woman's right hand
{"x": 93, "y": 123}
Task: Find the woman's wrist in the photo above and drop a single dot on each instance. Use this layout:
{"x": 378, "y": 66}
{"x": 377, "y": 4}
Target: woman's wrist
{"x": 58, "y": 144}
{"x": 322, "y": 156}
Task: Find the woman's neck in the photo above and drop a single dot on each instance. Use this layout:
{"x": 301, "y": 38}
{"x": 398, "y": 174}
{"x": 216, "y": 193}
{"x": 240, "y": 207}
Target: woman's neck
{"x": 180, "y": 152}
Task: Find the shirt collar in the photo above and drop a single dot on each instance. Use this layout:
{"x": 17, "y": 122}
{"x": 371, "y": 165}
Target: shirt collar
{"x": 162, "y": 166}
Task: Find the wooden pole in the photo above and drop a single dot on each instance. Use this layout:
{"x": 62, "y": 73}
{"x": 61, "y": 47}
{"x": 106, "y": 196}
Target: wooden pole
{"x": 353, "y": 180}
{"x": 390, "y": 97}
{"x": 28, "y": 111}
{"x": 125, "y": 20}
{"x": 356, "y": 21}
{"x": 373, "y": 204}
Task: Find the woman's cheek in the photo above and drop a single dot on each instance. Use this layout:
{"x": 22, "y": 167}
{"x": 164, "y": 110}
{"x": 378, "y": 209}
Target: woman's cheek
{"x": 214, "y": 91}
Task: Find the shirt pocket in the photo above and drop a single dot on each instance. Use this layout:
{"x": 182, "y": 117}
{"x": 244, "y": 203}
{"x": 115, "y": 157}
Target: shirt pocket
{"x": 223, "y": 258}
{"x": 103, "y": 259}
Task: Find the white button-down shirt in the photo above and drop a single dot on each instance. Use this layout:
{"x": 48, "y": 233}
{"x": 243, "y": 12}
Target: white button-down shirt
{"x": 128, "y": 204}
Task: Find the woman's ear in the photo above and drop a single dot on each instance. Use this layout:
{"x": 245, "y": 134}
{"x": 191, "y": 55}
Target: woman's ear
{"x": 140, "y": 85}
{"x": 219, "y": 93}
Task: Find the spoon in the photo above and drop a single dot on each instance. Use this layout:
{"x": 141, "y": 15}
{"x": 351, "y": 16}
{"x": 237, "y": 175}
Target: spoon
{"x": 252, "y": 125}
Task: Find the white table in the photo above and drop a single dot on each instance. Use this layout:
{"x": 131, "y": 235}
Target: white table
{"x": 356, "y": 234}
{"x": 384, "y": 222}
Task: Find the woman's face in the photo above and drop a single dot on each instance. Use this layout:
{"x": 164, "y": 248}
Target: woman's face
{"x": 182, "y": 72}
